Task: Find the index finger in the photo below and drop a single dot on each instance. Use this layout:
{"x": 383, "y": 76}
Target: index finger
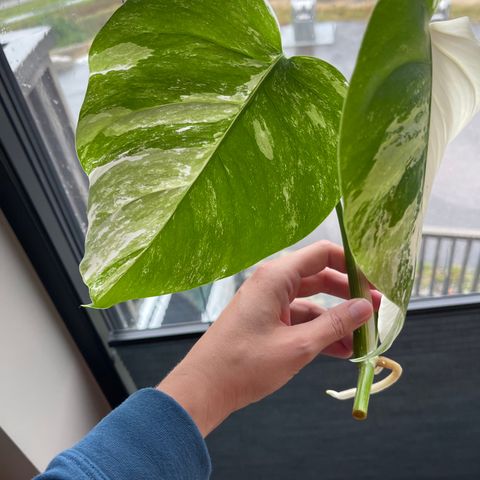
{"x": 314, "y": 258}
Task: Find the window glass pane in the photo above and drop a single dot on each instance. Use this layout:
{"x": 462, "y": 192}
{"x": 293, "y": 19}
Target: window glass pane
{"x": 47, "y": 41}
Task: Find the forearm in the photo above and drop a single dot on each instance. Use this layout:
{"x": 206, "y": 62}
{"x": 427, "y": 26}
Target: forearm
{"x": 149, "y": 436}
{"x": 199, "y": 383}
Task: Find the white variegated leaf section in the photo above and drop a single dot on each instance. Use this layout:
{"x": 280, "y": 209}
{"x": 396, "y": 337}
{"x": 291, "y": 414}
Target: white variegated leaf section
{"x": 455, "y": 100}
{"x": 456, "y": 89}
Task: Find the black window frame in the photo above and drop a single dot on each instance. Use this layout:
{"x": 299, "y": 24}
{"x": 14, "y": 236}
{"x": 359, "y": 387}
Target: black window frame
{"x": 36, "y": 208}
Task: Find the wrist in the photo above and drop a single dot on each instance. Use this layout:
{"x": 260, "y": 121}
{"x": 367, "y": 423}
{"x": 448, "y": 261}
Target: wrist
{"x": 199, "y": 395}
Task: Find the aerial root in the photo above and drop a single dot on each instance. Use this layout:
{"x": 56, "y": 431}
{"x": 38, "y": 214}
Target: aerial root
{"x": 381, "y": 363}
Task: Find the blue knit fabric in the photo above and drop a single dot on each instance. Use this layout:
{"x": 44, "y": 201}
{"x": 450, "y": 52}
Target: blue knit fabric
{"x": 149, "y": 436}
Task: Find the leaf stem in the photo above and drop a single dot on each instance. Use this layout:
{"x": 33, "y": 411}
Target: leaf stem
{"x": 363, "y": 336}
{"x": 362, "y": 396}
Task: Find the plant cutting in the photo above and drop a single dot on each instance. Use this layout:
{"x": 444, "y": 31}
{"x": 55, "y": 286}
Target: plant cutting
{"x": 207, "y": 150}
{"x": 414, "y": 88}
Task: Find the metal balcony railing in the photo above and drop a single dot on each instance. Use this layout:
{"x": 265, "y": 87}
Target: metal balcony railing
{"x": 449, "y": 263}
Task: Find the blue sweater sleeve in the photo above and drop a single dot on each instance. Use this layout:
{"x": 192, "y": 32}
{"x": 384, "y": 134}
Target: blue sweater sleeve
{"x": 150, "y": 436}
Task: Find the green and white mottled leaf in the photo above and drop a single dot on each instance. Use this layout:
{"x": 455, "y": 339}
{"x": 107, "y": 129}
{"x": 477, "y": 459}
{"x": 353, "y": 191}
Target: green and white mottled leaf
{"x": 206, "y": 148}
{"x": 414, "y": 88}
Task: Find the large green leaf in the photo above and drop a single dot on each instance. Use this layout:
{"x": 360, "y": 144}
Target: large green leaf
{"x": 206, "y": 148}
{"x": 397, "y": 121}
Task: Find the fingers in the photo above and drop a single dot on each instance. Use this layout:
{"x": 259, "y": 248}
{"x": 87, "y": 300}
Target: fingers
{"x": 314, "y": 258}
{"x": 341, "y": 349}
{"x": 328, "y": 281}
{"x": 333, "y": 325}
{"x": 333, "y": 283}
{"x": 302, "y": 311}
{"x": 310, "y": 270}
{"x": 283, "y": 275}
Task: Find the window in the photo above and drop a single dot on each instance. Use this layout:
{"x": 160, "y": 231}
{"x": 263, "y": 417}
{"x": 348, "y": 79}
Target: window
{"x": 47, "y": 49}
{"x": 46, "y": 43}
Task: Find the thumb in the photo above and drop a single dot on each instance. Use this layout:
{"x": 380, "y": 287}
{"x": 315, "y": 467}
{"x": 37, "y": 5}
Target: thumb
{"x": 337, "y": 323}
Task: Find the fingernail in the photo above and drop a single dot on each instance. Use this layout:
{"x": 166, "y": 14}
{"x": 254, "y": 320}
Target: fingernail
{"x": 360, "y": 310}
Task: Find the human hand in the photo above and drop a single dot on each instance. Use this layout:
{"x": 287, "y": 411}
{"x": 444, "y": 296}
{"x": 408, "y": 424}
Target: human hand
{"x": 266, "y": 335}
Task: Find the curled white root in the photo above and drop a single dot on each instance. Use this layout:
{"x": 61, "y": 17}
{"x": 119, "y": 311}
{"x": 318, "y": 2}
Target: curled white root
{"x": 381, "y": 363}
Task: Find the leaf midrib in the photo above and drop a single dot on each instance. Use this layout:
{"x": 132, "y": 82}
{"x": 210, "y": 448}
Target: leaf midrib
{"x": 214, "y": 149}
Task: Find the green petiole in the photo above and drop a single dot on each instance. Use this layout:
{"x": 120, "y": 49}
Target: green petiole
{"x": 364, "y": 338}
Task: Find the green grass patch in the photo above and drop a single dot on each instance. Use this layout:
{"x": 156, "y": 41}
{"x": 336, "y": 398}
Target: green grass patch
{"x": 25, "y": 8}
{"x": 348, "y": 11}
{"x": 71, "y": 24}
{"x": 342, "y": 10}
{"x": 79, "y": 22}
{"x": 472, "y": 11}
{"x": 39, "y": 8}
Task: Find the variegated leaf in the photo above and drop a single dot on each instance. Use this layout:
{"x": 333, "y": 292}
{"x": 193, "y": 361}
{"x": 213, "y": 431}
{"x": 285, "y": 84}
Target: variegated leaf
{"x": 414, "y": 88}
{"x": 207, "y": 149}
